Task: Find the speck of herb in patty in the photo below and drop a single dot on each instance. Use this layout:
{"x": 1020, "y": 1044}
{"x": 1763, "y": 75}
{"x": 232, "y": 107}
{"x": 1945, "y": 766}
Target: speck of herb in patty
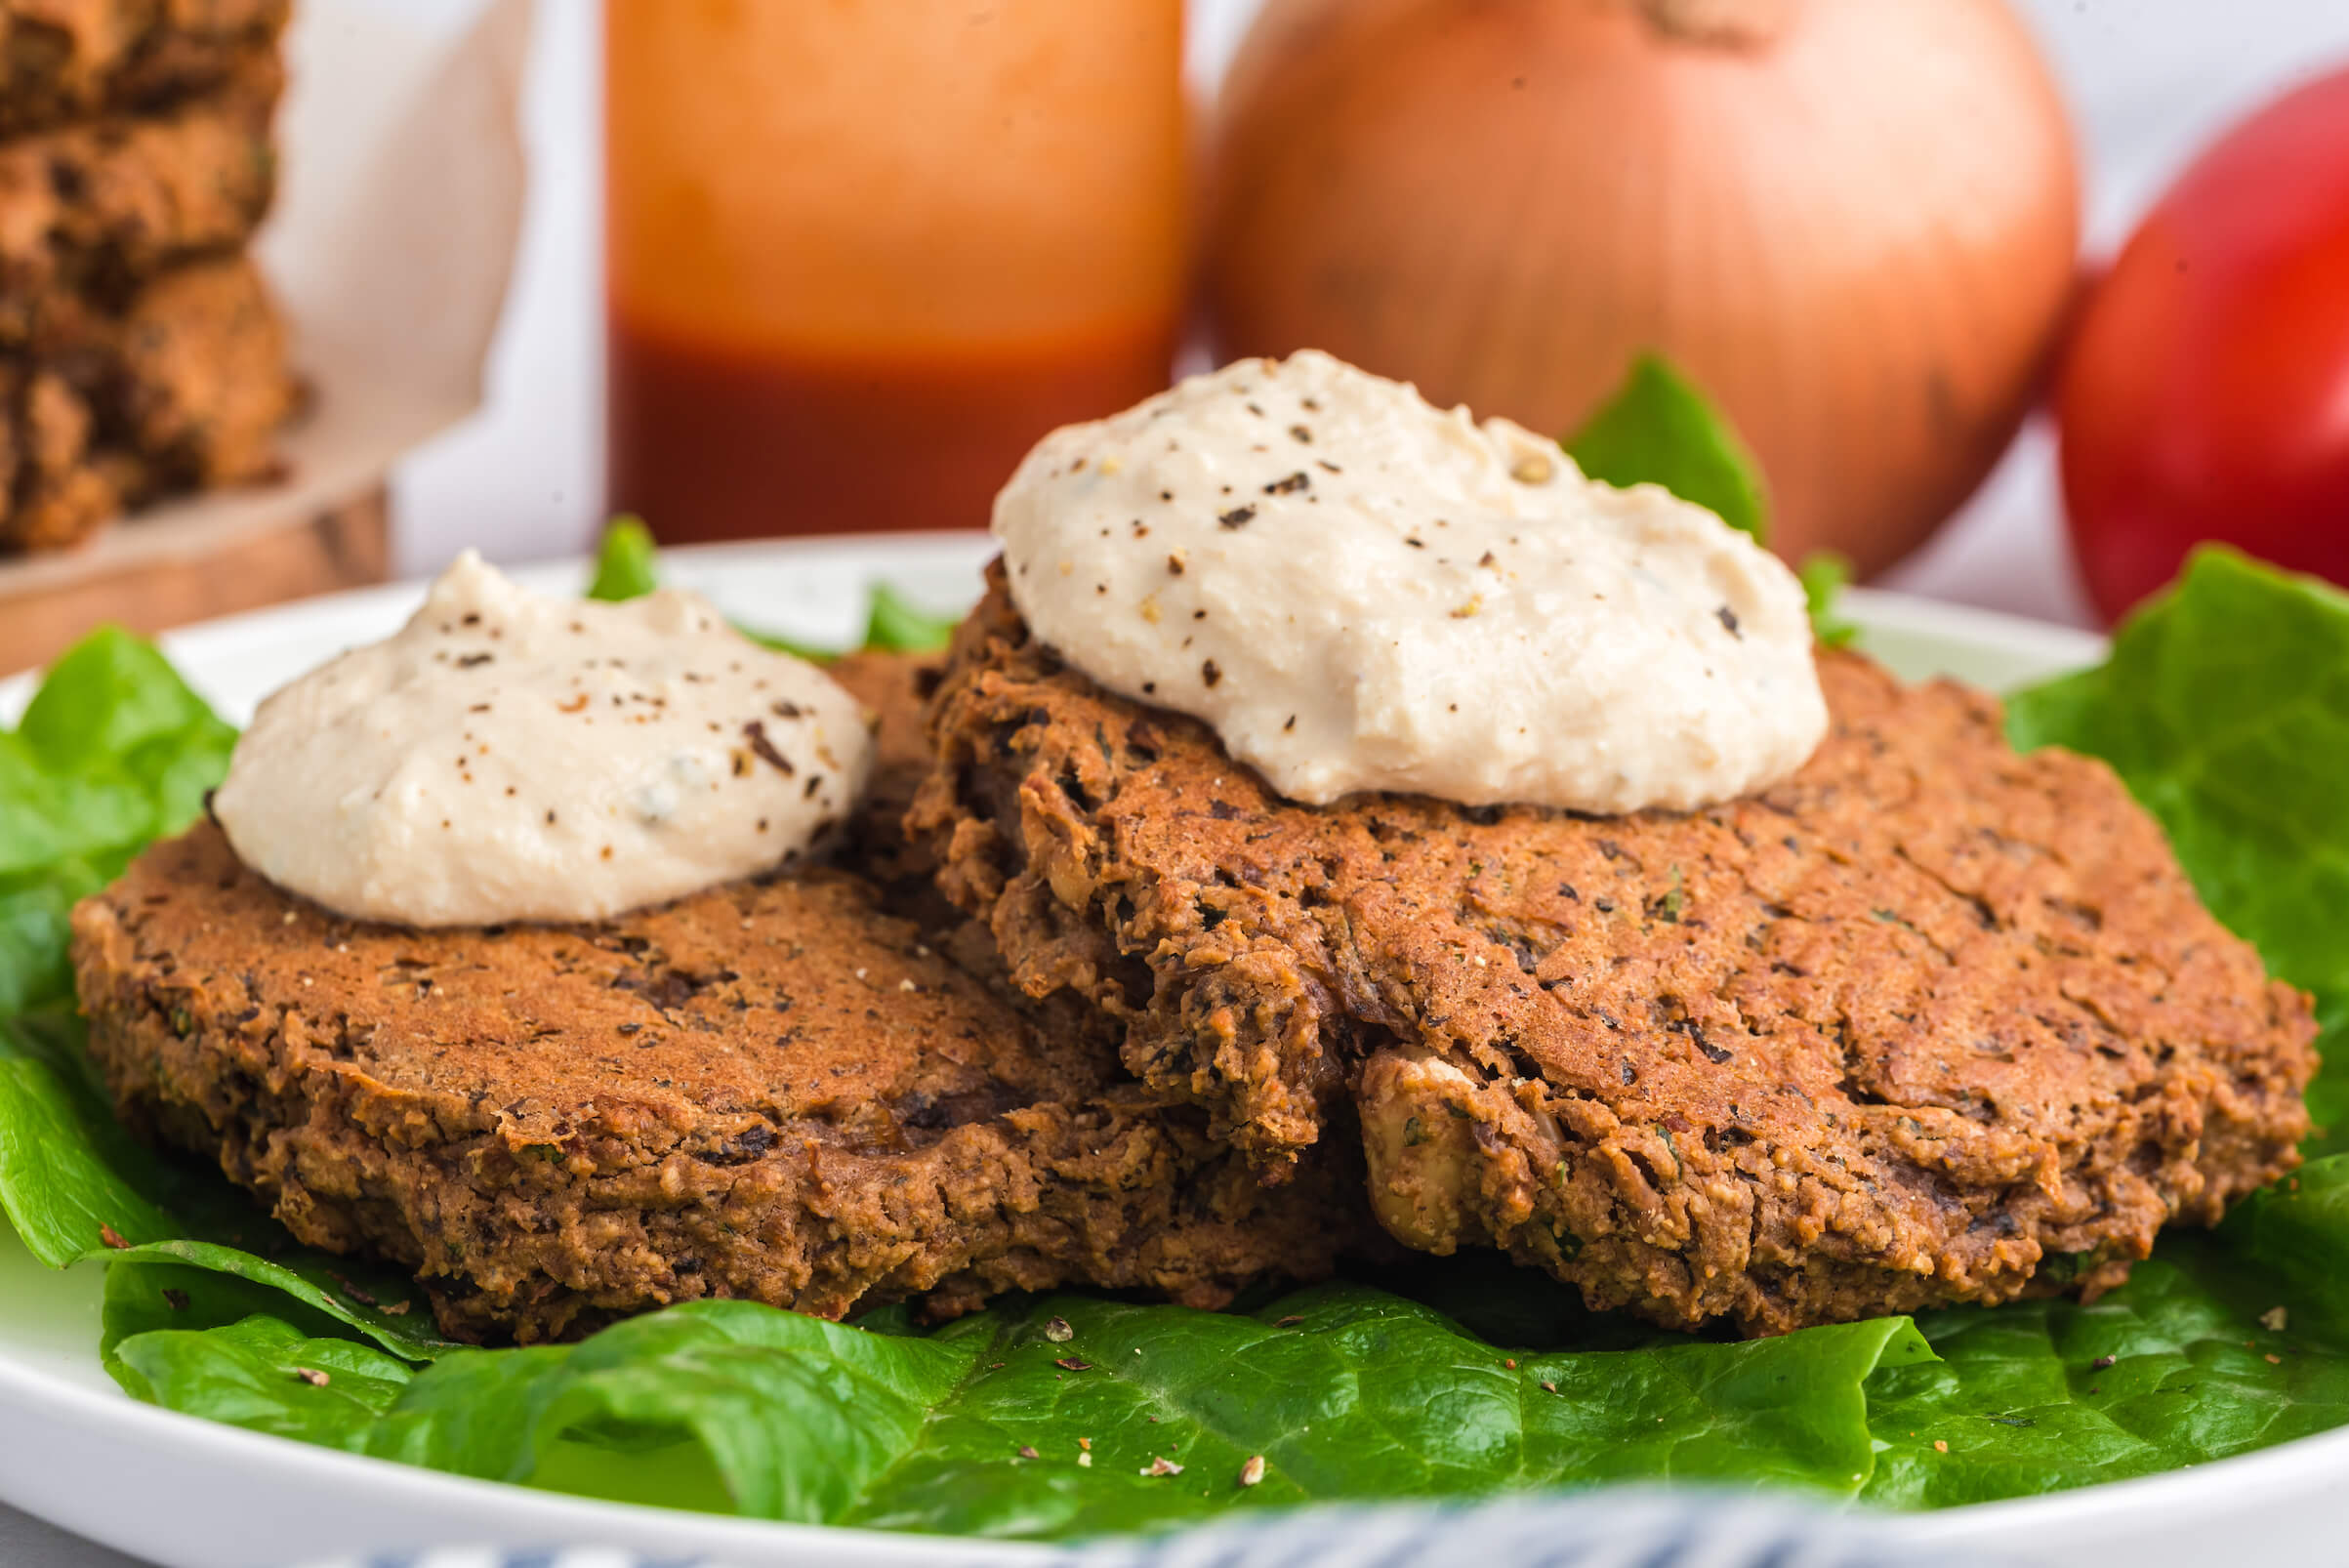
{"x": 1237, "y": 517}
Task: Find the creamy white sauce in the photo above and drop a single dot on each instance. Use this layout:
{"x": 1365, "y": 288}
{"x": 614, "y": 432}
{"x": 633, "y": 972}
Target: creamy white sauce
{"x": 1359, "y": 591}
{"x": 508, "y": 756}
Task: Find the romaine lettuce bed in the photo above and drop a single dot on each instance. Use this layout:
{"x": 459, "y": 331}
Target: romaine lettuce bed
{"x": 2225, "y": 707}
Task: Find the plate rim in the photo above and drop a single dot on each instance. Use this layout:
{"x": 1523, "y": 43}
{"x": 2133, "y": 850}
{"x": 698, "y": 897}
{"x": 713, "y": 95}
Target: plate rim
{"x": 29, "y": 1391}
{"x": 2253, "y": 1480}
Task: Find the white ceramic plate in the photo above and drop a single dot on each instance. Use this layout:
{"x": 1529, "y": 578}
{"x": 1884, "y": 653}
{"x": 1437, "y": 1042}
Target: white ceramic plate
{"x": 189, "y": 1494}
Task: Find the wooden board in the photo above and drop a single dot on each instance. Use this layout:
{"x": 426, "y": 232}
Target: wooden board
{"x": 152, "y": 577}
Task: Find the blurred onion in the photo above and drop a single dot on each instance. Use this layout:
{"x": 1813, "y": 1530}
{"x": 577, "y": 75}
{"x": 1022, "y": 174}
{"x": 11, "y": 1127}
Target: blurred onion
{"x": 1853, "y": 221}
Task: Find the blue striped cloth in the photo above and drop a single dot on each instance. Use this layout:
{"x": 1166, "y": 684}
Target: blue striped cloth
{"x": 1619, "y": 1529}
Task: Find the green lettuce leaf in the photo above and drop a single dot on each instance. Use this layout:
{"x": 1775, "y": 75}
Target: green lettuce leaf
{"x": 263, "y": 1374}
{"x": 1043, "y": 1419}
{"x": 2224, "y": 707}
{"x": 2176, "y": 1368}
{"x": 1659, "y": 428}
{"x": 896, "y": 625}
{"x": 626, "y": 565}
{"x": 115, "y": 751}
{"x": 2295, "y": 1234}
{"x": 1824, "y": 575}
{"x": 69, "y": 1174}
{"x": 1347, "y": 1392}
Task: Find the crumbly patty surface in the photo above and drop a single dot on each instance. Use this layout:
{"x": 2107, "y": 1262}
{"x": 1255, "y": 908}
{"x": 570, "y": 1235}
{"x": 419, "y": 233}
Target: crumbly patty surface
{"x": 63, "y": 59}
{"x": 1890, "y": 1034}
{"x": 896, "y": 689}
{"x": 185, "y": 386}
{"x": 772, "y": 1091}
{"x": 90, "y": 210}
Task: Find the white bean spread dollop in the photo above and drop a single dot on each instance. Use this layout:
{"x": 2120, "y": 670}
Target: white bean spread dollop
{"x": 511, "y": 757}
{"x": 1359, "y": 591}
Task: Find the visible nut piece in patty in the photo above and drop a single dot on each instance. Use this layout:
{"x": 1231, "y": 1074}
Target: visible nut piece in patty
{"x": 770, "y": 1091}
{"x": 1886, "y": 1034}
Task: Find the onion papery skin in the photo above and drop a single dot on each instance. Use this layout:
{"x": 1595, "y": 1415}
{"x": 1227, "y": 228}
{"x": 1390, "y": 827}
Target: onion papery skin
{"x": 1854, "y": 223}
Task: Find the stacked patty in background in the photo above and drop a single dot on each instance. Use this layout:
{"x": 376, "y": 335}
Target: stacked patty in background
{"x": 140, "y": 354}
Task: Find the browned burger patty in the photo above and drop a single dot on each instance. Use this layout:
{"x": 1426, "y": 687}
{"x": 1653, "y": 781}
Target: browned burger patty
{"x": 895, "y": 688}
{"x": 1889, "y": 1033}
{"x": 772, "y": 1091}
{"x": 63, "y": 59}
{"x": 183, "y": 389}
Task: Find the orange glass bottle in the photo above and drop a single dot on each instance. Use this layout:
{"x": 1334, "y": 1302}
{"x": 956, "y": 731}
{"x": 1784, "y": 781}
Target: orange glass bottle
{"x": 862, "y": 253}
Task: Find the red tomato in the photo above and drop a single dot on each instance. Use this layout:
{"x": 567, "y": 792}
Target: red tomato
{"x": 2205, "y": 394}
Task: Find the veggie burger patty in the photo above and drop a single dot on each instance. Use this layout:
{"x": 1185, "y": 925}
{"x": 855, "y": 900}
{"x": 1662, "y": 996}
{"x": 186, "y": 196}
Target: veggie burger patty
{"x": 774, "y": 1090}
{"x": 1896, "y": 1032}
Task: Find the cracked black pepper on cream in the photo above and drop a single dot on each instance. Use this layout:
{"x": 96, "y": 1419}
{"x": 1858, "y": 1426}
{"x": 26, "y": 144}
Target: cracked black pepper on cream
{"x": 1359, "y": 591}
{"x": 511, "y": 757}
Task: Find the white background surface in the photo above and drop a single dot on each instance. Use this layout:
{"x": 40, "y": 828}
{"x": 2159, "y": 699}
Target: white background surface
{"x": 2149, "y": 81}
